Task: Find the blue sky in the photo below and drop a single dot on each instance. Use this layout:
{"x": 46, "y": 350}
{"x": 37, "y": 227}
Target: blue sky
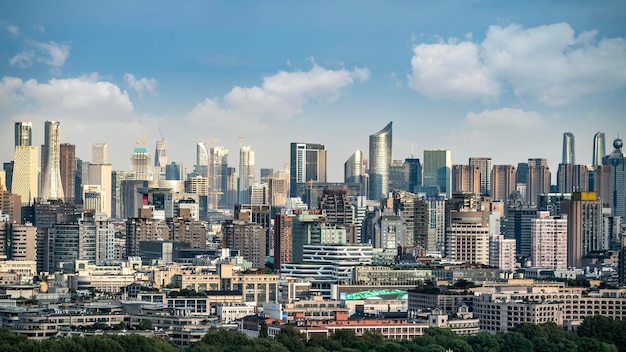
{"x": 502, "y": 79}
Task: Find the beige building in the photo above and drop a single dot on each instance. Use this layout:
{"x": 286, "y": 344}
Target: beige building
{"x": 503, "y": 181}
{"x": 18, "y": 242}
{"x": 25, "y": 173}
{"x": 468, "y": 237}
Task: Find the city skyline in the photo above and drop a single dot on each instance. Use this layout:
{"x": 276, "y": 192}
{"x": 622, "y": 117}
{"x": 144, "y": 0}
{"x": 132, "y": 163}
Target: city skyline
{"x": 220, "y": 71}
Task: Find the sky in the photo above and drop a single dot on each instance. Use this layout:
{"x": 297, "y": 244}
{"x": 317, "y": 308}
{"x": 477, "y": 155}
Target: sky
{"x": 501, "y": 79}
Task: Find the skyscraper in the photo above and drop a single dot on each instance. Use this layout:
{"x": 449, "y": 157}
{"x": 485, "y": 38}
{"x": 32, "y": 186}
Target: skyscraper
{"x": 413, "y": 173}
{"x": 100, "y": 174}
{"x": 51, "y": 186}
{"x": 140, "y": 162}
{"x": 246, "y": 173}
{"x": 308, "y": 162}
{"x": 568, "y": 149}
{"x": 484, "y": 166}
{"x": 548, "y": 238}
{"x": 24, "y": 180}
{"x": 438, "y": 170}
{"x": 218, "y": 175}
{"x": 353, "y": 169}
{"x": 617, "y": 164}
{"x": 573, "y": 178}
{"x": 584, "y": 226}
{"x": 68, "y": 170}
{"x": 160, "y": 158}
{"x": 380, "y": 159}
{"x": 23, "y": 133}
{"x": 202, "y": 160}
{"x": 465, "y": 178}
{"x": 537, "y": 179}
{"x": 599, "y": 148}
{"x": 503, "y": 181}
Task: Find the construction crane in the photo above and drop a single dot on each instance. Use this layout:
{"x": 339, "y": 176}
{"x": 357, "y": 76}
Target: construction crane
{"x": 143, "y": 142}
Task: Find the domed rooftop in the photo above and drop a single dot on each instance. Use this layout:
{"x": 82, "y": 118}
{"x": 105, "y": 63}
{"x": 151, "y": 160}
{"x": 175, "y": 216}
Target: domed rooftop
{"x": 618, "y": 143}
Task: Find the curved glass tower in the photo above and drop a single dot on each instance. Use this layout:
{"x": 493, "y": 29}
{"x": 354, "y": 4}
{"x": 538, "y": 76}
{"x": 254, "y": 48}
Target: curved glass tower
{"x": 599, "y": 148}
{"x": 568, "y": 148}
{"x": 51, "y": 187}
{"x": 353, "y": 168}
{"x": 380, "y": 158}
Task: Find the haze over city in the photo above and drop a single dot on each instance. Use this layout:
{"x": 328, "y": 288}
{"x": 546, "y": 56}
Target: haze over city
{"x": 480, "y": 78}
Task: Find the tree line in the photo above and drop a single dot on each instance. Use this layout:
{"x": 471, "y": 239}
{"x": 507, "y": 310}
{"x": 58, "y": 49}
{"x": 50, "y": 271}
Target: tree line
{"x": 596, "y": 333}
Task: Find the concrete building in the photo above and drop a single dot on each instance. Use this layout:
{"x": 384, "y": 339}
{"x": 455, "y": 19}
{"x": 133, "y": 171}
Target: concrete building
{"x": 584, "y": 226}
{"x": 484, "y": 165}
{"x": 467, "y": 237}
{"x": 466, "y": 178}
{"x": 573, "y": 178}
{"x": 503, "y": 181}
{"x": 502, "y": 252}
{"x": 68, "y": 170}
{"x": 18, "y": 242}
{"x": 548, "y": 237}
{"x": 25, "y": 175}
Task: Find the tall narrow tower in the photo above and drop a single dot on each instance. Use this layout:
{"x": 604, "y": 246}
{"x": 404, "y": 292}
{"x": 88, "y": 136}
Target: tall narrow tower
{"x": 599, "y": 148}
{"x": 160, "y": 158}
{"x": 568, "y": 149}
{"x": 140, "y": 161}
{"x": 51, "y": 186}
{"x": 23, "y": 133}
{"x": 380, "y": 159}
{"x": 26, "y": 160}
{"x": 308, "y": 163}
{"x": 246, "y": 173}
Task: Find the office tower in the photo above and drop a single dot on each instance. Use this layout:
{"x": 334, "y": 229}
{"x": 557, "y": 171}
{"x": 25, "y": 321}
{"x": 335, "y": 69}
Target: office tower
{"x": 336, "y": 204}
{"x": 183, "y": 228}
{"x": 218, "y": 175}
{"x": 467, "y": 237}
{"x": 259, "y": 194}
{"x": 568, "y": 149}
{"x": 551, "y": 202}
{"x": 278, "y": 188}
{"x": 465, "y": 179}
{"x": 51, "y": 187}
{"x": 397, "y": 179}
{"x": 282, "y": 239}
{"x": 484, "y": 165}
{"x": 131, "y": 199}
{"x": 266, "y": 173}
{"x": 503, "y": 181}
{"x": 173, "y": 172}
{"x": 100, "y": 173}
{"x": 617, "y": 169}
{"x": 584, "y": 226}
{"x": 380, "y": 159}
{"x": 93, "y": 198}
{"x": 202, "y": 160}
{"x": 25, "y": 175}
{"x": 68, "y": 170}
{"x": 502, "y": 253}
{"x": 197, "y": 185}
{"x": 308, "y": 162}
{"x": 8, "y": 168}
{"x": 231, "y": 194}
{"x": 23, "y": 133}
{"x": 10, "y": 205}
{"x": 573, "y": 178}
{"x": 537, "y": 179}
{"x": 438, "y": 170}
{"x": 117, "y": 177}
{"x": 160, "y": 156}
{"x": 246, "y": 173}
{"x": 599, "y": 148}
{"x": 518, "y": 220}
{"x": 548, "y": 237}
{"x": 612, "y": 232}
{"x": 414, "y": 211}
{"x": 353, "y": 168}
{"x": 413, "y": 174}
{"x": 105, "y": 237}
{"x": 46, "y": 214}
{"x": 140, "y": 162}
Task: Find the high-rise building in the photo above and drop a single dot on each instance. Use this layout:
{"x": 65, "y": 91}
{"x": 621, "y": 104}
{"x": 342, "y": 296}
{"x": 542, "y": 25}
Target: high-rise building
{"x": 599, "y": 148}
{"x": 537, "y": 179}
{"x": 278, "y": 188}
{"x": 413, "y": 174}
{"x": 518, "y": 220}
{"x": 140, "y": 163}
{"x": 25, "y": 175}
{"x": 93, "y": 198}
{"x": 17, "y": 242}
{"x": 8, "y": 168}
{"x": 379, "y": 161}
{"x": 51, "y": 187}
{"x": 502, "y": 252}
{"x": 484, "y": 165}
{"x": 415, "y": 213}
{"x": 23, "y": 133}
{"x": 548, "y": 237}
{"x": 160, "y": 158}
{"x": 266, "y": 173}
{"x": 282, "y": 239}
{"x": 246, "y": 237}
{"x": 465, "y": 178}
{"x": 246, "y": 173}
{"x": 202, "y": 160}
{"x": 438, "y": 170}
{"x": 572, "y": 178}
{"x": 467, "y": 237}
{"x": 568, "y": 149}
{"x": 117, "y": 177}
{"x": 617, "y": 164}
{"x": 100, "y": 172}
{"x": 354, "y": 169}
{"x": 173, "y": 171}
{"x": 68, "y": 170}
{"x": 584, "y": 226}
{"x": 503, "y": 181}
{"x": 308, "y": 163}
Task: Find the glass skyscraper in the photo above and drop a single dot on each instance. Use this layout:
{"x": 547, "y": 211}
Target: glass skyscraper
{"x": 568, "y": 149}
{"x": 380, "y": 159}
{"x": 438, "y": 170}
{"x": 308, "y": 162}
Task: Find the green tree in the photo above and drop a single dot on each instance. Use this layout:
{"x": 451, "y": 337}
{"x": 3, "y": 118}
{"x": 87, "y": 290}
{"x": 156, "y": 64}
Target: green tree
{"x": 291, "y": 338}
{"x": 264, "y": 330}
{"x": 146, "y": 324}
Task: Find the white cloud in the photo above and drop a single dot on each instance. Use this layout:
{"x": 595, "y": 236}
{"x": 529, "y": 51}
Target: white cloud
{"x": 280, "y": 97}
{"x": 451, "y": 70}
{"x": 548, "y": 62}
{"x": 51, "y": 53}
{"x": 23, "y": 59}
{"x": 86, "y": 96}
{"x": 142, "y": 85}
{"x": 506, "y": 118}
{"x": 14, "y": 31}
